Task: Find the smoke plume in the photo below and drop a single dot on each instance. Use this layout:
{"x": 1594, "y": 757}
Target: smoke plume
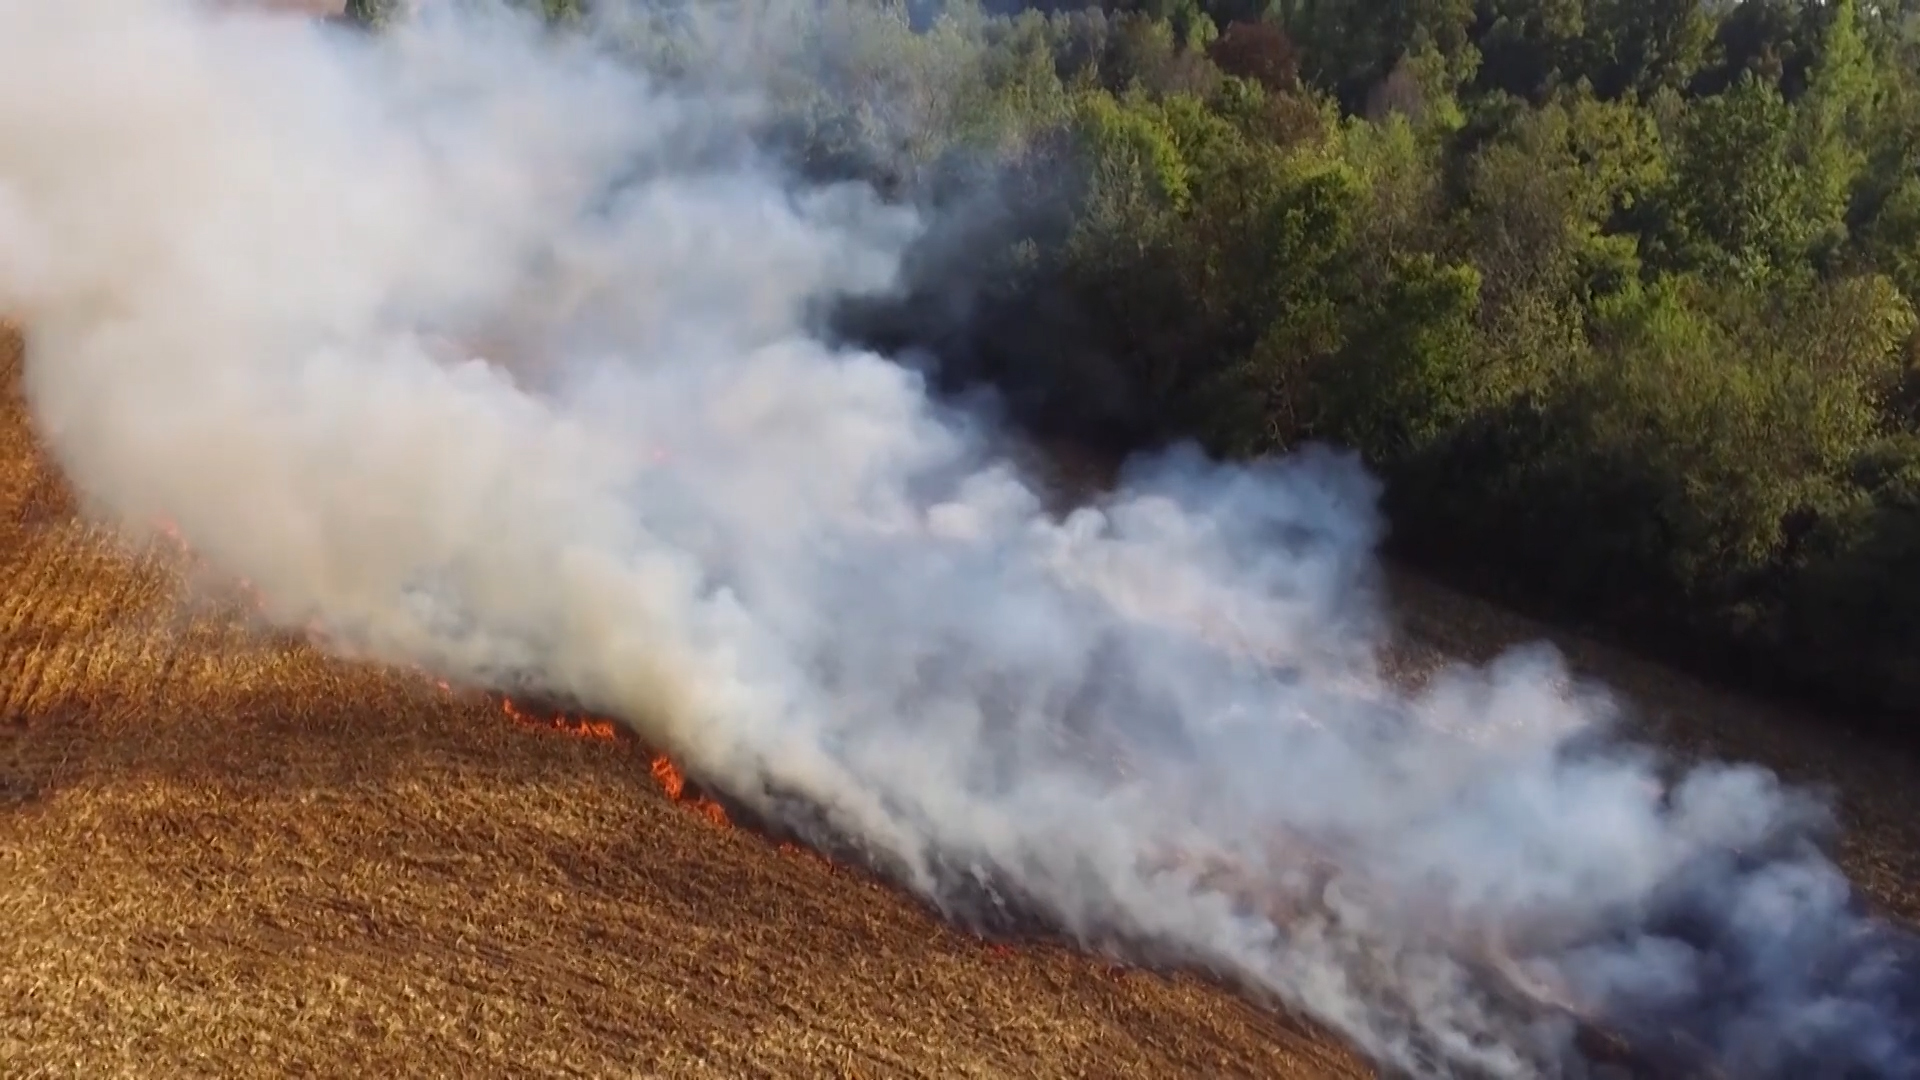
{"x": 485, "y": 351}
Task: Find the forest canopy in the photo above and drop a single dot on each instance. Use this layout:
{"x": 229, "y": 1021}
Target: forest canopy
{"x": 1617, "y": 295}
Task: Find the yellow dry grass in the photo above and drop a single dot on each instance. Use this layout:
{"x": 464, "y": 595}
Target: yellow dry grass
{"x": 224, "y": 854}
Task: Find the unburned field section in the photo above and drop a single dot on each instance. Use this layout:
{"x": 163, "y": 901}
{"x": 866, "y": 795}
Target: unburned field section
{"x": 222, "y": 853}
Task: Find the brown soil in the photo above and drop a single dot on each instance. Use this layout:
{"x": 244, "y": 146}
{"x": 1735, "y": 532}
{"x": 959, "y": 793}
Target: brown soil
{"x": 223, "y": 854}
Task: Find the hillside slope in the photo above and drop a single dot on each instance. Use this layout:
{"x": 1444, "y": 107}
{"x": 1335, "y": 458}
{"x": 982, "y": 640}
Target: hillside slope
{"x": 1874, "y": 785}
{"x": 223, "y": 854}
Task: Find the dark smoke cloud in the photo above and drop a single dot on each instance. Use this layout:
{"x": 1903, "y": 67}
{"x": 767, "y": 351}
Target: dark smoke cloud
{"x": 261, "y": 262}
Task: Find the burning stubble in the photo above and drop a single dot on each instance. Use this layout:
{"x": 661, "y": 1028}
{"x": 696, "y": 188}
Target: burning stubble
{"x": 248, "y": 250}
{"x": 673, "y": 782}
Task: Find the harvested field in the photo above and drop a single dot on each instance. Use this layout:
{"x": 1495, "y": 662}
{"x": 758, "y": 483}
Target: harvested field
{"x": 223, "y": 854}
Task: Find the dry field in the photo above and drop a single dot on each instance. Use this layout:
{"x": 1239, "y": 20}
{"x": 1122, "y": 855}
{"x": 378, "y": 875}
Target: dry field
{"x": 227, "y": 855}
{"x": 224, "y": 854}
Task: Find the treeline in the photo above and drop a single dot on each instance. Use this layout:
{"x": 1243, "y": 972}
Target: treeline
{"x": 1618, "y": 295}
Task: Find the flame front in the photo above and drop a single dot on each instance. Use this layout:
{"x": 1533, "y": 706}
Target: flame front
{"x": 671, "y": 781}
{"x": 581, "y": 726}
{"x": 665, "y": 773}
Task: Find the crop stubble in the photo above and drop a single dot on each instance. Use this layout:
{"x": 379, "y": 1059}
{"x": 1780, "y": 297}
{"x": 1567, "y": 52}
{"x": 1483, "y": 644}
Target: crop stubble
{"x": 224, "y": 854}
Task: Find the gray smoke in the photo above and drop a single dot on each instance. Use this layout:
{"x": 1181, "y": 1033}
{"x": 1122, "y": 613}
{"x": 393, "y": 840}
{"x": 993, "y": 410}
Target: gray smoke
{"x": 484, "y": 351}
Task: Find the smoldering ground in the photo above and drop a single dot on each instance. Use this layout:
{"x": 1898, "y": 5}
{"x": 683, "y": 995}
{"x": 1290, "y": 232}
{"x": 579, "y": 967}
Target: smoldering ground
{"x": 259, "y": 261}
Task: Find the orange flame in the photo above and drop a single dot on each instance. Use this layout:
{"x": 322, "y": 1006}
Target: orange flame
{"x": 665, "y": 773}
{"x": 674, "y": 783}
{"x": 669, "y": 778}
{"x": 584, "y": 727}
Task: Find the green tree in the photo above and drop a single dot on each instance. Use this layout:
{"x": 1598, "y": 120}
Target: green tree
{"x": 1771, "y": 40}
{"x": 1739, "y": 200}
{"x": 1281, "y": 228}
{"x": 1407, "y": 375}
{"x": 1350, "y": 47}
{"x": 1638, "y": 47}
{"x": 1529, "y": 46}
{"x": 1618, "y": 295}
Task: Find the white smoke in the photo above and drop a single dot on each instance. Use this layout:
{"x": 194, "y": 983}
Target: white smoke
{"x": 256, "y": 255}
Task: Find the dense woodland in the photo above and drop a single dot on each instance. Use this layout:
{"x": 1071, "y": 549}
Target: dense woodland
{"x": 1618, "y": 295}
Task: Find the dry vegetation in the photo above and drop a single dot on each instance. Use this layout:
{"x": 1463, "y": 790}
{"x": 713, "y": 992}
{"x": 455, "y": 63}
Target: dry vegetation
{"x": 223, "y": 854}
